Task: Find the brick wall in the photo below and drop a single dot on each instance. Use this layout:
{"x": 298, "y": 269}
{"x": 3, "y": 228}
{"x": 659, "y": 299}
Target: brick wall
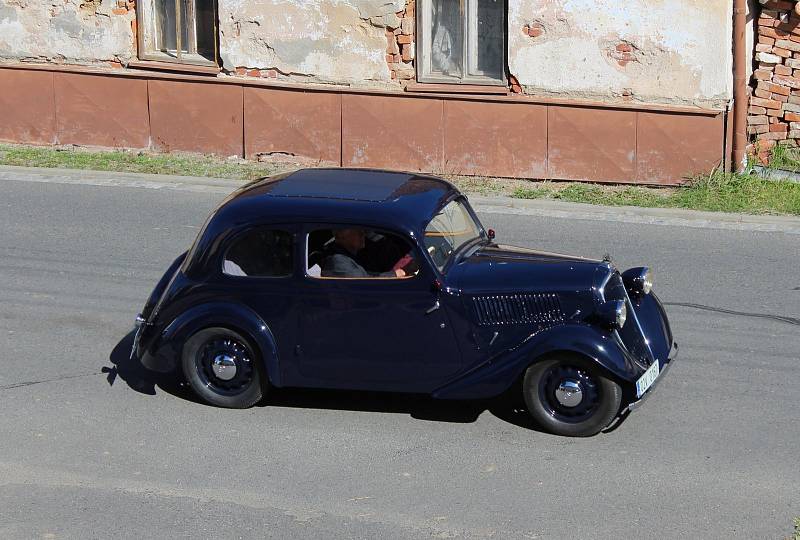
{"x": 774, "y": 111}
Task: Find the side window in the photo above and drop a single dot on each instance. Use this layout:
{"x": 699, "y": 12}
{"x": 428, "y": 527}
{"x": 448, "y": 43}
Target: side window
{"x": 261, "y": 252}
{"x": 359, "y": 253}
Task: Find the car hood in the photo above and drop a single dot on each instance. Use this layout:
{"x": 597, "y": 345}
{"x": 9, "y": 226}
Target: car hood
{"x": 495, "y": 268}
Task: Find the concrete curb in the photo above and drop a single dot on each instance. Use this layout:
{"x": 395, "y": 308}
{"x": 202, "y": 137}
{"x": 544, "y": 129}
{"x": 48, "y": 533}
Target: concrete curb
{"x": 491, "y": 205}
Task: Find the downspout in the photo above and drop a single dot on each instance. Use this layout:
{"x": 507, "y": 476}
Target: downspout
{"x": 739, "y": 84}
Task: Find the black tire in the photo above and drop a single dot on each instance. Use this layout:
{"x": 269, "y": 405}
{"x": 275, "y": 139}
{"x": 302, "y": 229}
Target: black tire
{"x": 599, "y": 396}
{"x": 247, "y": 385}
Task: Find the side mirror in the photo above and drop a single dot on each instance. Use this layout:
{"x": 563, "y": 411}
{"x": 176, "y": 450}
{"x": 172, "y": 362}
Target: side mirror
{"x": 491, "y": 234}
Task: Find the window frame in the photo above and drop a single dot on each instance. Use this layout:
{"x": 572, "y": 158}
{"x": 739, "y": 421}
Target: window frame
{"x": 238, "y": 235}
{"x": 425, "y": 32}
{"x": 324, "y": 226}
{"x": 147, "y": 36}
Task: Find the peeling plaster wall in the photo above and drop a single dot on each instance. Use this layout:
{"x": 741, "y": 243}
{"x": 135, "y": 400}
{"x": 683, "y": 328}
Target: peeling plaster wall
{"x": 669, "y": 51}
{"x": 70, "y": 31}
{"x": 338, "y": 41}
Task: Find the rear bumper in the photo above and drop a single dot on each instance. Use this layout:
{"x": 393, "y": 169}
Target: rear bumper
{"x": 673, "y": 353}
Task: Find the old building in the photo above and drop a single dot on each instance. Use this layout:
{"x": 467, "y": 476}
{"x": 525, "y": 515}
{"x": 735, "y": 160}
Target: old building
{"x": 636, "y": 91}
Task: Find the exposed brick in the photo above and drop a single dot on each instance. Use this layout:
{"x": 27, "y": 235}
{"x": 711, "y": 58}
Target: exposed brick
{"x": 756, "y": 110}
{"x": 404, "y": 40}
{"x": 791, "y": 117}
{"x": 778, "y": 89}
{"x": 757, "y": 120}
{"x": 775, "y": 112}
{"x": 764, "y": 40}
{"x": 774, "y": 119}
{"x": 407, "y": 54}
{"x": 772, "y": 32}
{"x": 768, "y": 58}
{"x": 794, "y": 126}
{"x": 763, "y": 48}
{"x": 752, "y": 130}
{"x": 761, "y": 93}
{"x": 624, "y": 47}
{"x": 791, "y": 107}
{"x": 787, "y": 81}
{"x": 763, "y": 74}
{"x": 794, "y": 134}
{"x": 772, "y": 136}
{"x": 792, "y": 63}
{"x": 787, "y": 44}
{"x": 392, "y": 47}
{"x": 779, "y": 97}
{"x": 407, "y": 25}
{"x": 254, "y": 73}
{"x": 535, "y": 31}
{"x": 783, "y": 53}
{"x": 766, "y": 103}
{"x": 778, "y": 127}
{"x": 241, "y": 70}
{"x": 119, "y": 11}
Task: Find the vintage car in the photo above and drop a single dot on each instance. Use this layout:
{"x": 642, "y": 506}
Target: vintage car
{"x": 386, "y": 281}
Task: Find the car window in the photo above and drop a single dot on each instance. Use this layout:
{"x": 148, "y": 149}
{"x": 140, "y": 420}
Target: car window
{"x": 358, "y": 253}
{"x": 261, "y": 252}
{"x": 450, "y": 229}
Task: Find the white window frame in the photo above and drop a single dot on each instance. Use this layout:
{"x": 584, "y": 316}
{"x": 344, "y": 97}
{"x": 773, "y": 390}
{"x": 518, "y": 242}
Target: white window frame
{"x": 151, "y": 49}
{"x": 470, "y": 45}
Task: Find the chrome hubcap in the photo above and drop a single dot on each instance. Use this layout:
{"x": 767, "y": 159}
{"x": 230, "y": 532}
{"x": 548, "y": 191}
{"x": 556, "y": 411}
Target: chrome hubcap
{"x": 569, "y": 393}
{"x": 224, "y": 367}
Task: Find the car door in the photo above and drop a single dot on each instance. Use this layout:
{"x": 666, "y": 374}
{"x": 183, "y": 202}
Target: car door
{"x": 375, "y": 333}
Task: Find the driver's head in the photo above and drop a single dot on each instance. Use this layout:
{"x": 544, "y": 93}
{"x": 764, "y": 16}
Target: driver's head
{"x": 350, "y": 239}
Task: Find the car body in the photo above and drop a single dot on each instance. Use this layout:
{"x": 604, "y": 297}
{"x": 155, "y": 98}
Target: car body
{"x": 469, "y": 322}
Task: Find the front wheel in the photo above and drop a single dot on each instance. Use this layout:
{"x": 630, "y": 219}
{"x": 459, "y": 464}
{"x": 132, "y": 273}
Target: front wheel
{"x": 222, "y": 368}
{"x": 567, "y": 395}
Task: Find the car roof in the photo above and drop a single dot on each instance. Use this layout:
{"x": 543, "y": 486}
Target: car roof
{"x": 400, "y": 199}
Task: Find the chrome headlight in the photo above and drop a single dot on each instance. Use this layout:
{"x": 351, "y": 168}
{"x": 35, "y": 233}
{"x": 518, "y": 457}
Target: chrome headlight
{"x": 613, "y": 313}
{"x": 638, "y": 280}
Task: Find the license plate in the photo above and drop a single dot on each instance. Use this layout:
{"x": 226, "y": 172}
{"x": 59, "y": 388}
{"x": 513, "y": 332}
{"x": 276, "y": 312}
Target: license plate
{"x": 647, "y": 380}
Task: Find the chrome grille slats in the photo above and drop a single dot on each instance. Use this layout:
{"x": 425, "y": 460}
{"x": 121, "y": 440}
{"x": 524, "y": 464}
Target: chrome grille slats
{"x": 517, "y": 308}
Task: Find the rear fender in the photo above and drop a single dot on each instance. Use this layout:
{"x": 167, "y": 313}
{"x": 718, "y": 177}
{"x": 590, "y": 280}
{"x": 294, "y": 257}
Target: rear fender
{"x": 229, "y": 315}
{"x": 498, "y": 374}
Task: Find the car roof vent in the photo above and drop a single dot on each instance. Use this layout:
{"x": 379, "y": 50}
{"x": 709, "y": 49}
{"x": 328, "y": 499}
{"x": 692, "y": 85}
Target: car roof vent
{"x": 517, "y": 309}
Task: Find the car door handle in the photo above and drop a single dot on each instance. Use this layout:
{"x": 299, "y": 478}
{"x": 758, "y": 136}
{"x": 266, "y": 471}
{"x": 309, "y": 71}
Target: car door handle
{"x": 433, "y": 308}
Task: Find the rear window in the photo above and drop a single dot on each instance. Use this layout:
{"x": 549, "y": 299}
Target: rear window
{"x": 261, "y": 252}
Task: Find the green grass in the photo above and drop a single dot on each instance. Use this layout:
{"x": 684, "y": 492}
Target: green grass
{"x": 785, "y": 158}
{"x": 718, "y": 191}
{"x": 796, "y": 535}
{"x": 136, "y": 162}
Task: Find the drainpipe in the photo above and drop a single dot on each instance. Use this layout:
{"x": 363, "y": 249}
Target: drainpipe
{"x": 739, "y": 84}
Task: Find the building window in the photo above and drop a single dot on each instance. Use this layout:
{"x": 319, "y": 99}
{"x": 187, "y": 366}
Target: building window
{"x": 462, "y": 41}
{"x": 183, "y": 31}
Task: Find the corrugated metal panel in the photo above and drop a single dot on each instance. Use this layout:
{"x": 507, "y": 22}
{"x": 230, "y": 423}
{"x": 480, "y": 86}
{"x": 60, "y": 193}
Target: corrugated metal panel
{"x": 517, "y": 309}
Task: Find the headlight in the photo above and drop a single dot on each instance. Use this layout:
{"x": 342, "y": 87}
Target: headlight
{"x": 638, "y": 280}
{"x": 613, "y": 313}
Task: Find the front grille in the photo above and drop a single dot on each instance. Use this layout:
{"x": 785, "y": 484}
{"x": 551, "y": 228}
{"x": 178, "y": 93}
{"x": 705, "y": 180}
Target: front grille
{"x": 517, "y": 309}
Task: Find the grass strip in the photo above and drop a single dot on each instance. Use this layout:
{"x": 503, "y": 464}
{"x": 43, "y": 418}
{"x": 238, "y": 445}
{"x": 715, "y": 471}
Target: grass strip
{"x": 717, "y": 192}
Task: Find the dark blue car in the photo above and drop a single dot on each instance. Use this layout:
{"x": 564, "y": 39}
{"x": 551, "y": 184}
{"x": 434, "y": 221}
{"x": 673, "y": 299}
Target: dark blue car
{"x": 376, "y": 280}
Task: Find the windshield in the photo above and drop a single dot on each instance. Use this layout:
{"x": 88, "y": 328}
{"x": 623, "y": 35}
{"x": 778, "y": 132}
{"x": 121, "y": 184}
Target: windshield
{"x": 450, "y": 229}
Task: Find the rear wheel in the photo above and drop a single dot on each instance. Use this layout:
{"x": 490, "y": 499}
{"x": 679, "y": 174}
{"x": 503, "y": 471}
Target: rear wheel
{"x": 567, "y": 395}
{"x": 222, "y": 368}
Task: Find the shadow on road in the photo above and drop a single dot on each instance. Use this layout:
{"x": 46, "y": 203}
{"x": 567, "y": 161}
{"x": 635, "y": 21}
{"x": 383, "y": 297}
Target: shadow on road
{"x": 508, "y": 407}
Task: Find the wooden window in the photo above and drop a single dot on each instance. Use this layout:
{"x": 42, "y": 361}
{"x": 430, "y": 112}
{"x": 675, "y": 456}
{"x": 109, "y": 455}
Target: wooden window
{"x": 180, "y": 31}
{"x": 462, "y": 41}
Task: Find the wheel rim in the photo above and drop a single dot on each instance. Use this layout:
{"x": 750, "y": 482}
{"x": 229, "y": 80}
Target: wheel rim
{"x": 224, "y": 365}
{"x": 570, "y": 394}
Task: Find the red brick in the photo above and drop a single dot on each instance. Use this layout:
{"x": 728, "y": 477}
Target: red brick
{"x": 772, "y": 136}
{"x": 272, "y": 74}
{"x": 756, "y": 110}
{"x": 241, "y": 70}
{"x": 778, "y": 127}
{"x": 771, "y": 32}
{"x": 787, "y": 81}
{"x": 535, "y": 32}
{"x": 763, "y": 48}
{"x": 253, "y": 73}
{"x": 764, "y": 40}
{"x": 766, "y": 103}
{"x": 403, "y": 39}
{"x": 778, "y": 89}
{"x": 761, "y": 93}
{"x": 406, "y": 54}
{"x": 783, "y": 70}
{"x": 757, "y": 120}
{"x": 783, "y": 53}
{"x": 762, "y": 74}
{"x": 775, "y": 112}
{"x": 119, "y": 11}
{"x": 624, "y": 47}
{"x": 779, "y": 97}
{"x": 791, "y": 117}
{"x": 752, "y": 130}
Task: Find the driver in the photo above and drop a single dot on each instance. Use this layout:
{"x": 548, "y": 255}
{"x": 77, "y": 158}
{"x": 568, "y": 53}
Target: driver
{"x": 341, "y": 257}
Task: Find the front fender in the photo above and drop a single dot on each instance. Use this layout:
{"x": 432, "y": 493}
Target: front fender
{"x": 497, "y": 374}
{"x": 230, "y": 315}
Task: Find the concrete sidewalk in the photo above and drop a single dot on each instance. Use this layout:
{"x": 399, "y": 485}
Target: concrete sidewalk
{"x": 497, "y": 205}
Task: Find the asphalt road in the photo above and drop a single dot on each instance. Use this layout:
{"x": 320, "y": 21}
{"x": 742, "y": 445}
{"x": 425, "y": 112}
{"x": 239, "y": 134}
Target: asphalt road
{"x": 92, "y": 446}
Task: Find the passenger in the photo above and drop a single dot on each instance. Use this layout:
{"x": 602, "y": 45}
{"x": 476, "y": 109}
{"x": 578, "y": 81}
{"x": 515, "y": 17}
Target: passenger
{"x": 341, "y": 257}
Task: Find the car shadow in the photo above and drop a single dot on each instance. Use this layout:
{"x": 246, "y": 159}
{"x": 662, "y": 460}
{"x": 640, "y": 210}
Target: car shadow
{"x": 508, "y": 407}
